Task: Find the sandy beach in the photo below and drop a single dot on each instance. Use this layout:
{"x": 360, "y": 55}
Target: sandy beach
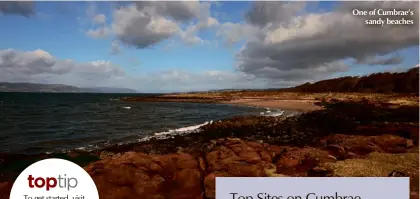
{"x": 301, "y": 105}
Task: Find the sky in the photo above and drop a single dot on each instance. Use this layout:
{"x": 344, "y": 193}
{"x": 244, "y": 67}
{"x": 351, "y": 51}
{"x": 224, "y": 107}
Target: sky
{"x": 197, "y": 45}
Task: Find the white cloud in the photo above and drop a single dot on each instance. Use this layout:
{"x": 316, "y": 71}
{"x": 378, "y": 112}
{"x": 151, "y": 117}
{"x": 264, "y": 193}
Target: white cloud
{"x": 375, "y": 60}
{"x": 28, "y": 63}
{"x": 189, "y": 36}
{"x": 265, "y": 13}
{"x": 97, "y": 23}
{"x": 39, "y": 66}
{"x": 99, "y": 19}
{"x": 205, "y": 21}
{"x": 177, "y": 80}
{"x": 144, "y": 24}
{"x": 99, "y": 33}
{"x": 237, "y": 32}
{"x": 179, "y": 11}
{"x": 141, "y": 28}
{"x": 91, "y": 9}
{"x": 284, "y": 45}
{"x": 115, "y": 47}
{"x": 34, "y": 65}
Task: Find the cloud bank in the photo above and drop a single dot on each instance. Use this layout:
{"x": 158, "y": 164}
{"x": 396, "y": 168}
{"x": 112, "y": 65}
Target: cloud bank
{"x": 39, "y": 65}
{"x": 23, "y": 8}
{"x": 283, "y": 42}
{"x": 144, "y": 24}
{"x": 290, "y": 46}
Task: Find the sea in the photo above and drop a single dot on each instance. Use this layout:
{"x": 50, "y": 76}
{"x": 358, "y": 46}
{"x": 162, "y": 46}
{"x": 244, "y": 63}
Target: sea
{"x": 33, "y": 123}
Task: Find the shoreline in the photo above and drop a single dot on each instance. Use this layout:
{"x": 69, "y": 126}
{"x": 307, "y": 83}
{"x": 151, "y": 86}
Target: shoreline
{"x": 298, "y": 105}
{"x": 202, "y": 129}
{"x": 163, "y": 134}
{"x": 278, "y": 99}
{"x": 341, "y": 134}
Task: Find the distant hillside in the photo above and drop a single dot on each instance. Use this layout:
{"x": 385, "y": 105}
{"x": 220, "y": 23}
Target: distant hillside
{"x": 30, "y": 87}
{"x": 111, "y": 90}
{"x": 405, "y": 82}
{"x": 58, "y": 88}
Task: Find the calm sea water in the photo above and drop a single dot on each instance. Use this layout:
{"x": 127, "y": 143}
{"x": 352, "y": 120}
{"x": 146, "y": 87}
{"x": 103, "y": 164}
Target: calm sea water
{"x": 51, "y": 122}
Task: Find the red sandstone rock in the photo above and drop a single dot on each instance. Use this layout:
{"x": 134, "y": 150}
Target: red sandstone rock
{"x": 236, "y": 158}
{"x": 409, "y": 143}
{"x": 155, "y": 167}
{"x": 299, "y": 161}
{"x": 210, "y": 183}
{"x": 353, "y": 143}
{"x": 337, "y": 151}
{"x": 137, "y": 175}
{"x": 414, "y": 195}
{"x": 391, "y": 143}
{"x": 182, "y": 176}
{"x": 254, "y": 145}
{"x": 341, "y": 145}
{"x": 5, "y": 188}
{"x": 411, "y": 132}
{"x": 277, "y": 150}
{"x": 250, "y": 156}
{"x": 265, "y": 156}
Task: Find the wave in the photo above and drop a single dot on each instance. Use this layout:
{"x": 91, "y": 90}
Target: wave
{"x": 180, "y": 131}
{"x": 275, "y": 114}
{"x": 159, "y": 135}
{"x": 183, "y": 129}
{"x": 278, "y": 112}
{"x": 272, "y": 113}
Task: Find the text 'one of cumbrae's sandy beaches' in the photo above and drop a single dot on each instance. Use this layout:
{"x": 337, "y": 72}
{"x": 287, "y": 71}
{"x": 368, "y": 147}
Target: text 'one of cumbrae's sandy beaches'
{"x": 386, "y": 16}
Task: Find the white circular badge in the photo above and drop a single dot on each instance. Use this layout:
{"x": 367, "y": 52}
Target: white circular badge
{"x": 54, "y": 179}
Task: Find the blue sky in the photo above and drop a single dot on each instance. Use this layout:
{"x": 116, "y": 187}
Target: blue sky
{"x": 200, "y": 45}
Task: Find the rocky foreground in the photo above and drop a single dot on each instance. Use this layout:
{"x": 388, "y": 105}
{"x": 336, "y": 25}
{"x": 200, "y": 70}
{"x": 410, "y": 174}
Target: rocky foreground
{"x": 344, "y": 139}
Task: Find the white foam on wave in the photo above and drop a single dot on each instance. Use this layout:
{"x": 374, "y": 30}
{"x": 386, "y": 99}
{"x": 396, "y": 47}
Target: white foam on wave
{"x": 126, "y": 107}
{"x": 278, "y": 112}
{"x": 183, "y": 129}
{"x": 293, "y": 114}
{"x": 90, "y": 147}
{"x": 160, "y": 136}
{"x": 272, "y": 113}
{"x": 180, "y": 131}
{"x": 275, "y": 114}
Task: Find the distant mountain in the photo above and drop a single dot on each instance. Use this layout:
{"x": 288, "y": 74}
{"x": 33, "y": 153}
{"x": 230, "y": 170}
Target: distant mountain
{"x": 58, "y": 88}
{"x": 30, "y": 87}
{"x": 111, "y": 90}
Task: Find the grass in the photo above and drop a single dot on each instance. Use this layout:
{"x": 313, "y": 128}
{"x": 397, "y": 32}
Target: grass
{"x": 374, "y": 165}
{"x": 402, "y": 99}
